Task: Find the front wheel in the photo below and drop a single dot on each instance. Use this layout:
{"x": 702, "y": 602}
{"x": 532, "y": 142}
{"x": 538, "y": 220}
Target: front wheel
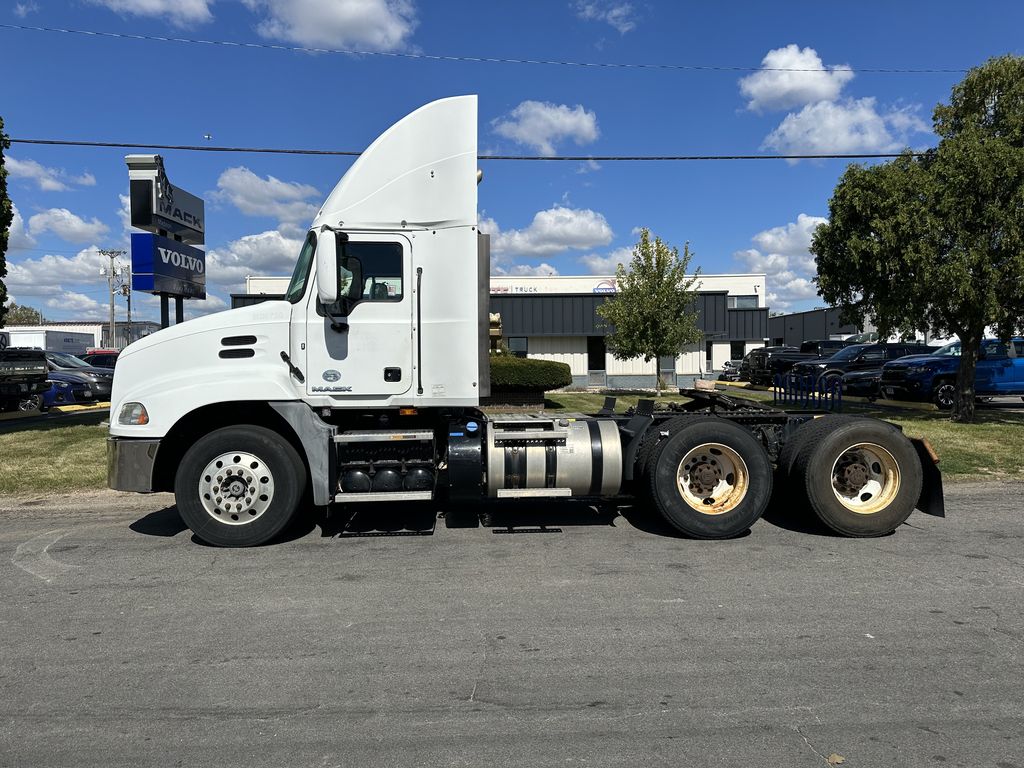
{"x": 31, "y": 403}
{"x": 239, "y": 486}
{"x": 944, "y": 395}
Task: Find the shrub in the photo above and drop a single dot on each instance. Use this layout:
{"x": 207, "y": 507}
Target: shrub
{"x": 521, "y": 373}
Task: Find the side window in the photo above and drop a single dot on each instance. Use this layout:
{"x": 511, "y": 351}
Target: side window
{"x": 1018, "y": 347}
{"x": 382, "y": 270}
{"x": 895, "y": 350}
{"x": 518, "y": 345}
{"x": 994, "y": 350}
{"x": 873, "y": 355}
{"x": 368, "y": 272}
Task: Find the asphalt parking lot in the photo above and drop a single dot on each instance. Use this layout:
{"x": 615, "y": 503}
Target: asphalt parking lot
{"x": 601, "y": 640}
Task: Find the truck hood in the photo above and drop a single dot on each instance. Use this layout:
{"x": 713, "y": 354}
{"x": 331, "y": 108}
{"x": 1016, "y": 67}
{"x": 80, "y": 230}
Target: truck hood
{"x": 257, "y": 314}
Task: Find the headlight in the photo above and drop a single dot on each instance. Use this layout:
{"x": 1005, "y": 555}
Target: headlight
{"x": 133, "y": 414}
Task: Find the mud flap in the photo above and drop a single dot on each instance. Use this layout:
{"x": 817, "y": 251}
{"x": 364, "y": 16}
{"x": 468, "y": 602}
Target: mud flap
{"x": 931, "y": 501}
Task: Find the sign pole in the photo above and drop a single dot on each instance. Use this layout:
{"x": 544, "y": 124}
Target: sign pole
{"x": 165, "y": 315}
{"x": 179, "y": 309}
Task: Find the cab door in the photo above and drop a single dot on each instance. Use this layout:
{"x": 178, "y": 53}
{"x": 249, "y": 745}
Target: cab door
{"x": 362, "y": 347}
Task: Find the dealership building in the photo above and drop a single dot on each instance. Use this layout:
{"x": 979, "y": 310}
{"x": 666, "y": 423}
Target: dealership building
{"x": 555, "y": 318}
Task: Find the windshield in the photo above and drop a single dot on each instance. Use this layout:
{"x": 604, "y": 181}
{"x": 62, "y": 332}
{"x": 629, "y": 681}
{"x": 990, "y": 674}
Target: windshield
{"x": 848, "y": 353}
{"x": 297, "y": 285}
{"x": 64, "y": 360}
{"x": 950, "y": 350}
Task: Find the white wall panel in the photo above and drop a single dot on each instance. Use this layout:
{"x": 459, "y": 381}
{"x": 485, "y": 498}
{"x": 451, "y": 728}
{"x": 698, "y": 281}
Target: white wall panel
{"x": 571, "y": 350}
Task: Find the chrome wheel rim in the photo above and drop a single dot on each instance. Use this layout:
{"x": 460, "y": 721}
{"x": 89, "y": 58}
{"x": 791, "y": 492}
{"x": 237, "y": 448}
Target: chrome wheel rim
{"x": 945, "y": 394}
{"x": 712, "y": 479}
{"x": 236, "y": 488}
{"x": 865, "y": 478}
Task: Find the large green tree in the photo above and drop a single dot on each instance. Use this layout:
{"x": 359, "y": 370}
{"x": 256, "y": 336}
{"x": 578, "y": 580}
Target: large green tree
{"x": 653, "y": 312}
{"x": 6, "y": 217}
{"x": 936, "y": 241}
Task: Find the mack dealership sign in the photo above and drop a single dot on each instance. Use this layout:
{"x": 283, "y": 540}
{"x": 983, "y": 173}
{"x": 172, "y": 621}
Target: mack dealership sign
{"x": 162, "y": 265}
{"x": 159, "y": 206}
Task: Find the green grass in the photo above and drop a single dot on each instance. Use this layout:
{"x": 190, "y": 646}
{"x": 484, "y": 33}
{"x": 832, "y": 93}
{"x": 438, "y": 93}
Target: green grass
{"x": 53, "y": 459}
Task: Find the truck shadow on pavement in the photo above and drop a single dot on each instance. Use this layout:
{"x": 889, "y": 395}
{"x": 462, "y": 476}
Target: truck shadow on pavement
{"x": 545, "y": 517}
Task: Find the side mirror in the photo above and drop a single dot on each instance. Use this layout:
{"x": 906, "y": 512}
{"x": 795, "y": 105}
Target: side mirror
{"x": 327, "y": 267}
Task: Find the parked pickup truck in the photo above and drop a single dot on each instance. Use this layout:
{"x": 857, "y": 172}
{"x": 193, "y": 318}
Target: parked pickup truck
{"x": 858, "y": 357}
{"x": 22, "y": 375}
{"x": 1000, "y": 371}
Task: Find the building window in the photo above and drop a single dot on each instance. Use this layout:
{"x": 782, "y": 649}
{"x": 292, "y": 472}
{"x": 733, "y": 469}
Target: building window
{"x": 666, "y": 363}
{"x": 741, "y": 302}
{"x": 517, "y": 345}
{"x": 709, "y": 348}
{"x": 736, "y": 350}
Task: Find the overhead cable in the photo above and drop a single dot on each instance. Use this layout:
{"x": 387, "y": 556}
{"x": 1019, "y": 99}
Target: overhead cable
{"x": 475, "y": 59}
{"x": 538, "y": 158}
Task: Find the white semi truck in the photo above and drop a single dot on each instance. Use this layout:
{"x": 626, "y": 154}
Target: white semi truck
{"x": 363, "y": 386}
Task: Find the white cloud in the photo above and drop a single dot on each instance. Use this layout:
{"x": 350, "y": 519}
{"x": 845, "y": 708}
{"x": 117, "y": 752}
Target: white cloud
{"x": 555, "y": 230}
{"x": 44, "y": 274}
{"x": 253, "y": 195}
{"x": 266, "y": 253}
{"x": 526, "y": 270}
{"x": 770, "y": 88}
{"x": 47, "y": 179}
{"x": 606, "y": 265}
{"x": 380, "y": 25}
{"x": 620, "y": 15}
{"x": 81, "y": 305}
{"x": 17, "y": 236}
{"x": 848, "y": 126}
{"x": 178, "y": 12}
{"x": 21, "y": 10}
{"x": 539, "y": 124}
{"x": 67, "y": 226}
{"x": 783, "y": 255}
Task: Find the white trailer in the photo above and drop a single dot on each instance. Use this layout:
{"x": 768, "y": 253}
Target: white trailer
{"x": 363, "y": 386}
{"x": 51, "y": 340}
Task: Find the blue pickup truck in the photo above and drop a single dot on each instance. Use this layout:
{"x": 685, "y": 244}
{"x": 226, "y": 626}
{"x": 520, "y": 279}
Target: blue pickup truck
{"x": 932, "y": 377}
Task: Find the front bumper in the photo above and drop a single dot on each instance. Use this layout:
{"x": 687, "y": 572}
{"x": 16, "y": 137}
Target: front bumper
{"x": 130, "y": 463}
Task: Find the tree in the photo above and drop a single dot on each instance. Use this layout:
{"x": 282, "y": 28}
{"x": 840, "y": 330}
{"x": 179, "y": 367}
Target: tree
{"x": 936, "y": 241}
{"x": 652, "y": 313}
{"x": 6, "y": 217}
{"x": 20, "y": 314}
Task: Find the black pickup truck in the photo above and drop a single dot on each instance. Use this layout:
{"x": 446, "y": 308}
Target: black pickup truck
{"x": 23, "y": 373}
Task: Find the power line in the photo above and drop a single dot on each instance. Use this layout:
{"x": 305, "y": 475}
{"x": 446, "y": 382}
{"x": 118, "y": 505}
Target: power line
{"x": 537, "y": 158}
{"x": 473, "y": 59}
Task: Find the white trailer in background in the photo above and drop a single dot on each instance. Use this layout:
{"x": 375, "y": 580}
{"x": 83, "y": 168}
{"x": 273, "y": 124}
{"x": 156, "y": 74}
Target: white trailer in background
{"x": 51, "y": 340}
{"x": 363, "y": 386}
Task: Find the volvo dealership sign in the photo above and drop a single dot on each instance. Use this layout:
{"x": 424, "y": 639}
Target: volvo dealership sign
{"x": 164, "y": 260}
{"x": 162, "y": 265}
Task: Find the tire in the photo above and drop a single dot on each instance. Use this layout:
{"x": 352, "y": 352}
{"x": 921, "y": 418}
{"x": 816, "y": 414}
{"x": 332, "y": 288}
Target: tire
{"x": 944, "y": 394}
{"x": 31, "y": 403}
{"x": 655, "y": 435}
{"x": 711, "y": 479}
{"x": 809, "y": 432}
{"x": 461, "y": 516}
{"x": 264, "y": 461}
{"x": 861, "y": 479}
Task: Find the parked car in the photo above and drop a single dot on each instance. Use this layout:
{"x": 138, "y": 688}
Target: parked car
{"x": 863, "y": 383}
{"x": 1000, "y": 371}
{"x": 766, "y": 362}
{"x": 744, "y": 369}
{"x": 100, "y": 359}
{"x": 858, "y": 357}
{"x": 22, "y": 375}
{"x": 99, "y": 379}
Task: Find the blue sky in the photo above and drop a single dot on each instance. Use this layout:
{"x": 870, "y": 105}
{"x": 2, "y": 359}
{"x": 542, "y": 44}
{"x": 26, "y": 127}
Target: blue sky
{"x": 569, "y": 218}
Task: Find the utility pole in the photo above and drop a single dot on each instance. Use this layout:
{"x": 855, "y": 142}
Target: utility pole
{"x": 111, "y": 275}
{"x": 126, "y": 291}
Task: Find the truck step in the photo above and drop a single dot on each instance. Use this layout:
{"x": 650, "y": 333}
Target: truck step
{"x": 384, "y": 436}
{"x": 533, "y": 493}
{"x": 352, "y": 498}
